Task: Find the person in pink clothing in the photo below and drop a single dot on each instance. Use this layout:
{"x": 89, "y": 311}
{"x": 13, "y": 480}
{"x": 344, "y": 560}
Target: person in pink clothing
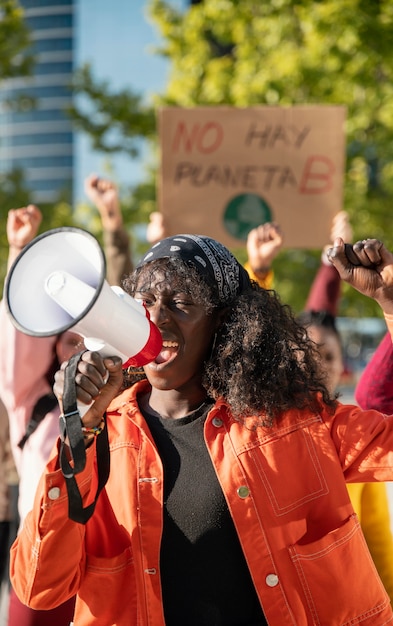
{"x": 375, "y": 386}
{"x": 370, "y": 500}
{"x": 28, "y": 364}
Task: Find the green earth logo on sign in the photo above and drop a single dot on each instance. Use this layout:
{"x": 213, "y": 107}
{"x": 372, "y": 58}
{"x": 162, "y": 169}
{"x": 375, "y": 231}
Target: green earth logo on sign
{"x": 244, "y": 212}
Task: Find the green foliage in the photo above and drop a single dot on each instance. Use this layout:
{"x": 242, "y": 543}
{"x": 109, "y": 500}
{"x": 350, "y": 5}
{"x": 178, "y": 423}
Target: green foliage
{"x": 115, "y": 122}
{"x": 14, "y": 195}
{"x": 280, "y": 52}
{"x": 271, "y": 52}
{"x": 15, "y": 57}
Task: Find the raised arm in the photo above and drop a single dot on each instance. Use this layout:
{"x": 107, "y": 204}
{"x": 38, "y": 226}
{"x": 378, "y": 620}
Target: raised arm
{"x": 325, "y": 290}
{"x": 22, "y": 227}
{"x": 105, "y": 196}
{"x": 368, "y": 267}
{"x": 263, "y": 244}
{"x": 374, "y": 389}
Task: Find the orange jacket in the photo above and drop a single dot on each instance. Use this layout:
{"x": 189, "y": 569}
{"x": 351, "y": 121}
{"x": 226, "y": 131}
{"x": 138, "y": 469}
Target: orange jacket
{"x": 286, "y": 492}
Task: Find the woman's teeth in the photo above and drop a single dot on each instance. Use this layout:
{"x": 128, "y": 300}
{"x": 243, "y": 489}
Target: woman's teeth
{"x": 169, "y": 344}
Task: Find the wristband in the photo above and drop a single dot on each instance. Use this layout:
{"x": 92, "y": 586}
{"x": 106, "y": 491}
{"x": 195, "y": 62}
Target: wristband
{"x": 94, "y": 431}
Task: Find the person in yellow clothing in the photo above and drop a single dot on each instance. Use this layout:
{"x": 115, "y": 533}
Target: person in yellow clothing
{"x": 263, "y": 244}
{"x": 370, "y": 501}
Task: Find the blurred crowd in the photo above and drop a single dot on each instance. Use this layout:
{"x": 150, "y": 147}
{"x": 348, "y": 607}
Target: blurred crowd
{"x": 29, "y": 410}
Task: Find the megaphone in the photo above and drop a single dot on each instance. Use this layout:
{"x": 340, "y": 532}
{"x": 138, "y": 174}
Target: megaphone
{"x": 58, "y": 283}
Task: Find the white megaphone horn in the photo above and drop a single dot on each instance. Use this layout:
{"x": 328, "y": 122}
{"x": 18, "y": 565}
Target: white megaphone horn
{"x": 58, "y": 283}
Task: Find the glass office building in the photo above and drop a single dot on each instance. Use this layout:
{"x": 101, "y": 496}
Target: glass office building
{"x": 40, "y": 139}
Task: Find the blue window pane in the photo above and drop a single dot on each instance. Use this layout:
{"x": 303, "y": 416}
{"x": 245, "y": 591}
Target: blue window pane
{"x": 52, "y": 68}
{"x": 55, "y": 115}
{"x": 40, "y": 139}
{"x": 56, "y": 91}
{"x": 48, "y": 185}
{"x": 43, "y": 22}
{"x": 32, "y": 4}
{"x": 44, "y": 162}
{"x": 52, "y": 45}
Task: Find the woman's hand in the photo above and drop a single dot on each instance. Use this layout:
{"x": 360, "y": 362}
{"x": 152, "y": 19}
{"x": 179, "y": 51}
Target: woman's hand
{"x": 263, "y": 244}
{"x": 98, "y": 381}
{"x": 368, "y": 267}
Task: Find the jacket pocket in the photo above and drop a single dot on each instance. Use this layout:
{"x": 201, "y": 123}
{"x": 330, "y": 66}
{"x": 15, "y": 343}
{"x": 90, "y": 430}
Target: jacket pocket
{"x": 297, "y": 492}
{"x": 339, "y": 579}
{"x": 108, "y": 591}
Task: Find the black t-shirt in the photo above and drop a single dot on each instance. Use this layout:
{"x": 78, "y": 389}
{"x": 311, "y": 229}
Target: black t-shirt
{"x": 205, "y": 579}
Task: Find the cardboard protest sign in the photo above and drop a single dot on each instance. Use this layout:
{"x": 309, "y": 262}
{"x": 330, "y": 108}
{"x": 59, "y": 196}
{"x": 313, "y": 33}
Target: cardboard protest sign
{"x": 226, "y": 170}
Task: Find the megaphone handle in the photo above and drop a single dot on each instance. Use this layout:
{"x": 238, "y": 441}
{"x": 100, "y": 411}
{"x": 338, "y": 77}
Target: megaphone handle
{"x": 71, "y": 425}
{"x": 70, "y": 421}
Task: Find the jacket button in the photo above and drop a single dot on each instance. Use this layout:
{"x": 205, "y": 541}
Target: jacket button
{"x": 217, "y": 422}
{"x": 243, "y": 492}
{"x": 271, "y": 580}
{"x": 54, "y": 493}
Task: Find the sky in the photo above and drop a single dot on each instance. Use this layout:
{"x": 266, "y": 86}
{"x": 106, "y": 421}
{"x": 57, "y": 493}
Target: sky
{"x": 116, "y": 38}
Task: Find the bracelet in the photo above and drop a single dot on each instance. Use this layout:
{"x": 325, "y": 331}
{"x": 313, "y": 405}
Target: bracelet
{"x": 94, "y": 431}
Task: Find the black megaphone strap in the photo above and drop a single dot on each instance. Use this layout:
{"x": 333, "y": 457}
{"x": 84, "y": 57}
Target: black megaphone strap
{"x": 71, "y": 427}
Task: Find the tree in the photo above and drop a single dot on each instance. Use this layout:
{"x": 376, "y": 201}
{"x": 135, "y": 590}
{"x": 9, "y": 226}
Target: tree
{"x": 14, "y": 194}
{"x": 120, "y": 119}
{"x": 16, "y": 58}
{"x": 282, "y": 52}
{"x": 117, "y": 122}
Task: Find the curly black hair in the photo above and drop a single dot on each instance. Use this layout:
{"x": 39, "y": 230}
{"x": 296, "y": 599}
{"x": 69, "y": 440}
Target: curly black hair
{"x": 262, "y": 361}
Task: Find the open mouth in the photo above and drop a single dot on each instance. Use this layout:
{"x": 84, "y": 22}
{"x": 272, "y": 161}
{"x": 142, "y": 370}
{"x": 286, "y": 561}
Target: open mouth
{"x": 168, "y": 352}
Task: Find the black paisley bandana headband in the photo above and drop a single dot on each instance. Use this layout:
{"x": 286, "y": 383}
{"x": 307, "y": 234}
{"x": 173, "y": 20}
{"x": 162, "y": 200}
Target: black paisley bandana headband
{"x": 211, "y": 259}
